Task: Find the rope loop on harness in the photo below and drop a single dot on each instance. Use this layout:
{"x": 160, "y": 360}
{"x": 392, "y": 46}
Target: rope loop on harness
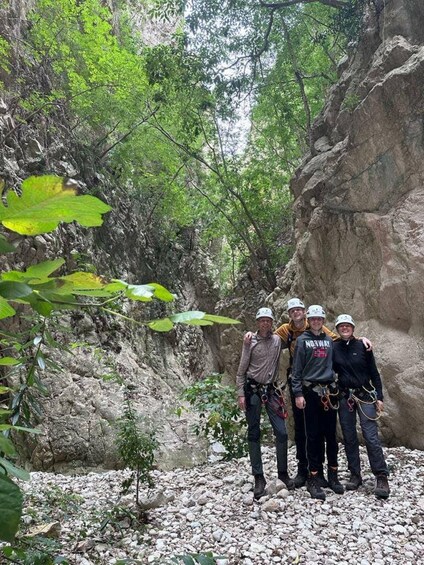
{"x": 372, "y": 394}
{"x": 325, "y": 395}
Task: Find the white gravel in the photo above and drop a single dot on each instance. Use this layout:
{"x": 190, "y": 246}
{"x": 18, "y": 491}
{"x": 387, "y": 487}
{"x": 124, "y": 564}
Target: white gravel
{"x": 211, "y": 509}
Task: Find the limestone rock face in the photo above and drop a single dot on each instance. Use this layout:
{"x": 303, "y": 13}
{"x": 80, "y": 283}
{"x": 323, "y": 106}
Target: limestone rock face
{"x": 359, "y": 205}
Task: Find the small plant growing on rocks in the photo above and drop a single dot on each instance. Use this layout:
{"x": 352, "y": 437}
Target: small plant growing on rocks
{"x": 220, "y": 419}
{"x": 136, "y": 443}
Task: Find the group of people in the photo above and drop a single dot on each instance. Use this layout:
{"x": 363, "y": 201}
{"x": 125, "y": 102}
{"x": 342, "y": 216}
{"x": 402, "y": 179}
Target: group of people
{"x": 328, "y": 374}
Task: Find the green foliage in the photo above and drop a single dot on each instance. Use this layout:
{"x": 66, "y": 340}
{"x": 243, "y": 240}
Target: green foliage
{"x": 45, "y": 202}
{"x": 35, "y": 551}
{"x": 350, "y": 19}
{"x": 11, "y": 507}
{"x": 101, "y": 79}
{"x": 136, "y": 443}
{"x": 219, "y": 416}
{"x": 43, "y": 206}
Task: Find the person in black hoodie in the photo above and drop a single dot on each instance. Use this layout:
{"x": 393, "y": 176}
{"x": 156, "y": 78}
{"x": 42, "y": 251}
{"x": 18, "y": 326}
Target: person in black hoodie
{"x": 361, "y": 393}
{"x": 315, "y": 391}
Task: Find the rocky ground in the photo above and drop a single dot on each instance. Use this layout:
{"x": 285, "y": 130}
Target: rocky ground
{"x": 211, "y": 509}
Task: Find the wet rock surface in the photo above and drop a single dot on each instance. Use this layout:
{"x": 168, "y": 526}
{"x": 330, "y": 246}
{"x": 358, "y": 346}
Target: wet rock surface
{"x": 211, "y": 509}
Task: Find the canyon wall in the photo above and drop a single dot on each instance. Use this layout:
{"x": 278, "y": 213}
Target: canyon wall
{"x": 359, "y": 207}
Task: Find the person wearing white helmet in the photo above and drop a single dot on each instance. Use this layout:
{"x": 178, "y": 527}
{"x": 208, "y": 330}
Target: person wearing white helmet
{"x": 361, "y": 394}
{"x": 289, "y": 332}
{"x": 315, "y": 391}
{"x": 256, "y": 377}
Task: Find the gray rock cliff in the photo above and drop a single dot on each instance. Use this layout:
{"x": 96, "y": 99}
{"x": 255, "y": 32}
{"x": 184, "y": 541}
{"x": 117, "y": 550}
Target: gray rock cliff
{"x": 359, "y": 209}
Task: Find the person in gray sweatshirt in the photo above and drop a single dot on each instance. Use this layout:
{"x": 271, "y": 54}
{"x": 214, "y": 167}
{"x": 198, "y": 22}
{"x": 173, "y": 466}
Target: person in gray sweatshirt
{"x": 315, "y": 391}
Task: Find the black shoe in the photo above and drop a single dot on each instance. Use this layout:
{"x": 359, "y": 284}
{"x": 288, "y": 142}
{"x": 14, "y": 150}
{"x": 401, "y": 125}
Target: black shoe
{"x": 259, "y": 488}
{"x": 382, "y": 489}
{"x": 284, "y": 477}
{"x": 321, "y": 480}
{"x": 333, "y": 481}
{"x": 314, "y": 489}
{"x": 354, "y": 482}
{"x": 300, "y": 479}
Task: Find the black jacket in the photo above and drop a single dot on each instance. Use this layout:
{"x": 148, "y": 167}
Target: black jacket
{"x": 356, "y": 366}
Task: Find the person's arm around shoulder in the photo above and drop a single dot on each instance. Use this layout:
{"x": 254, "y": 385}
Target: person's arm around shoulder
{"x": 367, "y": 343}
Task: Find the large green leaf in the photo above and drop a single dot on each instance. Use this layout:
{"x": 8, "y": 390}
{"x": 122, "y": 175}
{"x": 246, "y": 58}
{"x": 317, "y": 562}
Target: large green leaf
{"x": 184, "y": 317}
{"x": 220, "y": 319}
{"x": 116, "y": 285}
{"x": 161, "y": 292}
{"x": 44, "y": 269}
{"x": 10, "y": 508}
{"x": 9, "y": 361}
{"x": 197, "y": 322}
{"x": 83, "y": 280}
{"x": 19, "y": 429}
{"x": 12, "y": 289}
{"x": 142, "y": 292}
{"x": 6, "y": 309}
{"x": 6, "y": 446}
{"x": 45, "y": 202}
{"x": 13, "y": 470}
{"x": 163, "y": 325}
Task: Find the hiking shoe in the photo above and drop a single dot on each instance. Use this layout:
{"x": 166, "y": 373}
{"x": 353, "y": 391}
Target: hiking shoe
{"x": 354, "y": 482}
{"x": 321, "y": 480}
{"x": 259, "y": 488}
{"x": 284, "y": 477}
{"x": 334, "y": 483}
{"x": 300, "y": 479}
{"x": 382, "y": 489}
{"x": 314, "y": 489}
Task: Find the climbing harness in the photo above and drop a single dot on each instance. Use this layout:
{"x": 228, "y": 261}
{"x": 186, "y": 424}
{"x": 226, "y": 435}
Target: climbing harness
{"x": 361, "y": 397}
{"x": 328, "y": 393}
{"x": 271, "y": 393}
{"x": 326, "y": 397}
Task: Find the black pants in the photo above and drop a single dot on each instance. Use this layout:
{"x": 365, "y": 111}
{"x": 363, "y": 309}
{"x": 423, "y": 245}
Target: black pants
{"x": 253, "y": 417}
{"x": 300, "y": 438}
{"x": 320, "y": 426}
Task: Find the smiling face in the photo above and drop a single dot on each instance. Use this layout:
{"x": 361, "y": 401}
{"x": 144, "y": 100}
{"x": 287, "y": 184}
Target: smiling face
{"x": 297, "y": 315}
{"x": 316, "y": 323}
{"x": 345, "y": 331}
{"x": 264, "y": 326}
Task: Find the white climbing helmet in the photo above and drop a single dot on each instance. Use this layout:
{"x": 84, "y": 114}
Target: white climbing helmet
{"x": 264, "y": 313}
{"x": 345, "y": 319}
{"x": 294, "y": 303}
{"x": 315, "y": 311}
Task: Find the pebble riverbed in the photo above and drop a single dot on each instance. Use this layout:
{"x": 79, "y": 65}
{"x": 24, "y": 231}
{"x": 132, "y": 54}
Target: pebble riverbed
{"x": 211, "y": 509}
